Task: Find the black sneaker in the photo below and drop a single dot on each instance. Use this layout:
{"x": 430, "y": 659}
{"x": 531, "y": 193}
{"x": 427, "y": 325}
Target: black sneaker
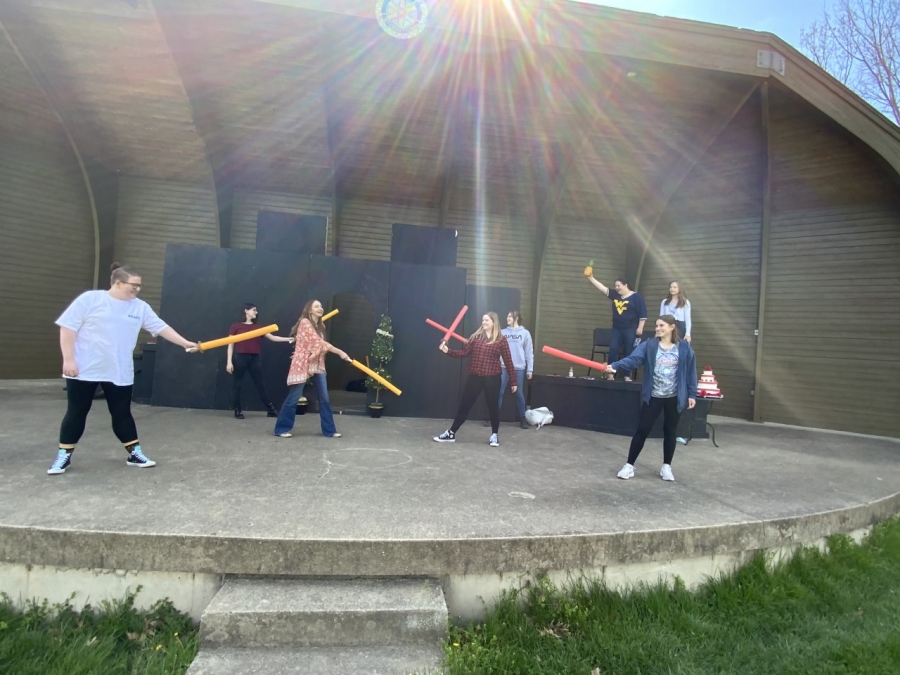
{"x": 446, "y": 437}
{"x": 139, "y": 459}
{"x": 60, "y": 464}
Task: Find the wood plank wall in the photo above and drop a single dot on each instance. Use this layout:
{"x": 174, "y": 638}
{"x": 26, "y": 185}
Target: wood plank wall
{"x": 709, "y": 240}
{"x": 248, "y": 204}
{"x": 833, "y": 299}
{"x": 366, "y": 227}
{"x": 47, "y": 252}
{"x": 47, "y": 256}
{"x": 497, "y": 250}
{"x": 153, "y": 213}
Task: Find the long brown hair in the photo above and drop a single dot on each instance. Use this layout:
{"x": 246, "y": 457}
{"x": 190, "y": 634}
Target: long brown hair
{"x": 314, "y": 320}
{"x": 682, "y": 301}
{"x": 669, "y": 319}
{"x": 494, "y": 334}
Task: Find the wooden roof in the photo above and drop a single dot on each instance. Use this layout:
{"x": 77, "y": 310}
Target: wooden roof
{"x": 497, "y": 97}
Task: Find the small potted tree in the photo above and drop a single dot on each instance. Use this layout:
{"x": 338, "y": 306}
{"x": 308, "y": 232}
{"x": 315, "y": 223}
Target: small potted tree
{"x": 382, "y": 353}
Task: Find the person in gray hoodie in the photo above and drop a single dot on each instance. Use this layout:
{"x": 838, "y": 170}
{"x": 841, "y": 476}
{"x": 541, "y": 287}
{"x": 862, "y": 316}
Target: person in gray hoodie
{"x": 522, "y": 349}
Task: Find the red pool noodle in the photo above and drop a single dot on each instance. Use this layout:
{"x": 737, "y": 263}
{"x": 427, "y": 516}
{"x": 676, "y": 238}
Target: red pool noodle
{"x": 455, "y": 323}
{"x": 441, "y": 328}
{"x": 574, "y": 359}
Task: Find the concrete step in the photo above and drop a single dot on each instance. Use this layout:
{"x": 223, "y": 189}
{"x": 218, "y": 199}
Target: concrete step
{"x": 248, "y": 613}
{"x": 418, "y": 659}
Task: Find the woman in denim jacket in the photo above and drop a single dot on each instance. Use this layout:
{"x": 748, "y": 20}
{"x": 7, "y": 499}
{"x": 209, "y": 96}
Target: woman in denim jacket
{"x": 669, "y": 386}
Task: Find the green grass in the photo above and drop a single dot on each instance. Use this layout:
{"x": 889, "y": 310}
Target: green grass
{"x": 822, "y": 614}
{"x": 115, "y": 639}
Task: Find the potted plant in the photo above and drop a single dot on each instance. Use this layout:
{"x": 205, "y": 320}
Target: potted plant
{"x": 382, "y": 353}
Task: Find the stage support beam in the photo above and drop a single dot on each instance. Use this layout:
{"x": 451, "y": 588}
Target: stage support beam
{"x": 332, "y": 125}
{"x": 554, "y": 173}
{"x": 221, "y": 190}
{"x": 449, "y": 163}
{"x": 764, "y": 252}
{"x": 671, "y": 178}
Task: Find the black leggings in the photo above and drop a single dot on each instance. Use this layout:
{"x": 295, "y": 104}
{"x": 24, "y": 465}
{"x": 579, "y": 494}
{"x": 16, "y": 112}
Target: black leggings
{"x": 649, "y": 414}
{"x": 244, "y": 363}
{"x": 476, "y": 384}
{"x": 81, "y": 397}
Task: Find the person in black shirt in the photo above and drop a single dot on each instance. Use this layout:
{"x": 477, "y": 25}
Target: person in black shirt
{"x": 629, "y": 312}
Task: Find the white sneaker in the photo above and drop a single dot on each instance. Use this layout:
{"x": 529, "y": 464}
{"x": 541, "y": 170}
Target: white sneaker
{"x": 494, "y": 442}
{"x": 446, "y": 437}
{"x": 626, "y": 472}
{"x": 666, "y": 473}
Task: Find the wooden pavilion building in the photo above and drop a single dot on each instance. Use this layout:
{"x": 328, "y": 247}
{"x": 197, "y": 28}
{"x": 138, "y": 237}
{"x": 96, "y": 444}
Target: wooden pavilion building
{"x": 545, "y": 133}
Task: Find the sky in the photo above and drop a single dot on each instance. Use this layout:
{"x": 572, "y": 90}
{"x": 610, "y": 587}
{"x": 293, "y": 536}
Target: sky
{"x": 785, "y": 18}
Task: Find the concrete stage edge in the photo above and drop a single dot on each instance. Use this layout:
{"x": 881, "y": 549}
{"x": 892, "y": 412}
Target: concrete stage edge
{"x": 386, "y": 501}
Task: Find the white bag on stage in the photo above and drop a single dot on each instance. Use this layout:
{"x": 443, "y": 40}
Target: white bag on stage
{"x": 538, "y": 417}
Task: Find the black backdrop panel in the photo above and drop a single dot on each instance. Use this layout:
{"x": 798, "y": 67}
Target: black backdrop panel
{"x": 369, "y": 278}
{"x": 481, "y": 300}
{"x": 423, "y": 245}
{"x": 277, "y": 283}
{"x": 193, "y": 285}
{"x": 430, "y": 380}
{"x": 290, "y": 233}
{"x": 338, "y": 276}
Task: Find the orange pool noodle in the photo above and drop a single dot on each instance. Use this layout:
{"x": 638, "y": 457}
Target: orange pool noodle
{"x": 441, "y": 328}
{"x": 455, "y": 323}
{"x": 574, "y": 359}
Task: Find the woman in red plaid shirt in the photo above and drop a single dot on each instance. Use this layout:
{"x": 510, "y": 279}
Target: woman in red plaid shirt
{"x": 486, "y": 346}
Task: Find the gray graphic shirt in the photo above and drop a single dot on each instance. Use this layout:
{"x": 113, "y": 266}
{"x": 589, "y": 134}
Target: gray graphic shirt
{"x": 664, "y": 372}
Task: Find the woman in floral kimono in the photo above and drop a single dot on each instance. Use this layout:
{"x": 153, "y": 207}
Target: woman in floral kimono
{"x": 308, "y": 363}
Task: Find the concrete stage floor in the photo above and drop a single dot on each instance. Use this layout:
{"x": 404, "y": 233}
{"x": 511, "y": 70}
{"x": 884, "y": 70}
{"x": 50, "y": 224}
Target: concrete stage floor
{"x": 228, "y": 497}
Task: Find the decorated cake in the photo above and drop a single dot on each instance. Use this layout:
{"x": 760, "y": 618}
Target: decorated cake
{"x": 708, "y": 387}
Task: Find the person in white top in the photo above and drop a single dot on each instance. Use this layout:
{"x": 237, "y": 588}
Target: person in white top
{"x": 97, "y": 335}
{"x": 678, "y": 306}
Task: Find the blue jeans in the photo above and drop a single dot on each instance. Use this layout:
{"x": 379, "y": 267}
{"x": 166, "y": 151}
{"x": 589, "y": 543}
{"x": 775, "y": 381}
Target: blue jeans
{"x": 622, "y": 338}
{"x": 286, "y": 417}
{"x": 520, "y": 392}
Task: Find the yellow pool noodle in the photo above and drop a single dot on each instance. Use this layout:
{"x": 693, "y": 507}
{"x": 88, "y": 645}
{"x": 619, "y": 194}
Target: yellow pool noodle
{"x": 231, "y": 339}
{"x": 375, "y": 376}
{"x": 330, "y": 314}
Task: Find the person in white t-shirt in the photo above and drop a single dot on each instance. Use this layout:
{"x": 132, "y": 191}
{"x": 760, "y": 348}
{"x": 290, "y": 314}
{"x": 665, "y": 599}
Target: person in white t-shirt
{"x": 97, "y": 335}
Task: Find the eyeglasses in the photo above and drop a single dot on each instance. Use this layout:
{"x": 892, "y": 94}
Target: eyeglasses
{"x": 136, "y": 287}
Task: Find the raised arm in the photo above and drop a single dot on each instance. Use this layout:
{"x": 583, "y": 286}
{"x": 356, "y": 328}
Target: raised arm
{"x": 603, "y": 289}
